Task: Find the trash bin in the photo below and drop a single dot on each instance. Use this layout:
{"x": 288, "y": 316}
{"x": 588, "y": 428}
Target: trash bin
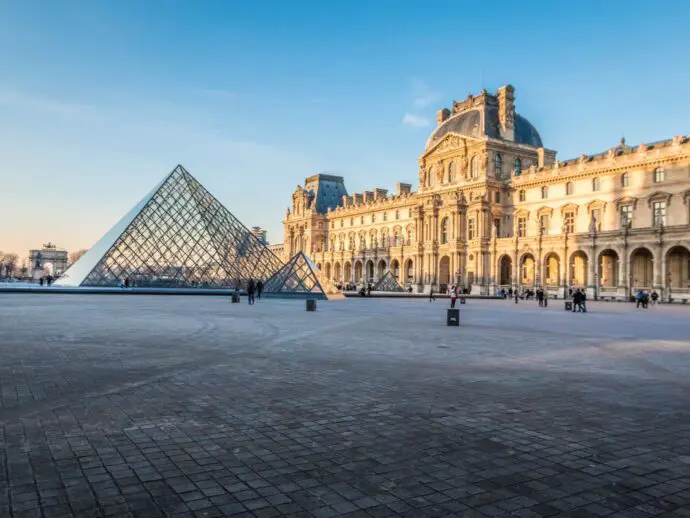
{"x": 568, "y": 305}
{"x": 453, "y": 317}
{"x": 311, "y": 305}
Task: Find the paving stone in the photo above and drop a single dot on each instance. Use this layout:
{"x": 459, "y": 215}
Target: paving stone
{"x": 185, "y": 406}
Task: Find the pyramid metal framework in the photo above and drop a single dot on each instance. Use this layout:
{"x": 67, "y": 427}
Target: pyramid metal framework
{"x": 178, "y": 236}
{"x": 387, "y": 283}
{"x": 297, "y": 277}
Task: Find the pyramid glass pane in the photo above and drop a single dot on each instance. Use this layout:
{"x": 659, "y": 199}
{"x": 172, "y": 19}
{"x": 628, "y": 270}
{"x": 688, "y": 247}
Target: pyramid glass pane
{"x": 178, "y": 236}
{"x": 388, "y": 283}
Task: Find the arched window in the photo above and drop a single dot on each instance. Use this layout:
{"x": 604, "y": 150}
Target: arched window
{"x": 595, "y": 184}
{"x": 474, "y": 167}
{"x": 625, "y": 180}
{"x": 451, "y": 172}
{"x": 569, "y": 189}
{"x": 521, "y": 195}
{"x": 517, "y": 167}
{"x": 498, "y": 166}
{"x": 432, "y": 176}
{"x": 544, "y": 192}
{"x": 444, "y": 230}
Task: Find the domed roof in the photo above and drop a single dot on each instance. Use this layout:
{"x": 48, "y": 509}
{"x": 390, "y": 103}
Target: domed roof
{"x": 470, "y": 123}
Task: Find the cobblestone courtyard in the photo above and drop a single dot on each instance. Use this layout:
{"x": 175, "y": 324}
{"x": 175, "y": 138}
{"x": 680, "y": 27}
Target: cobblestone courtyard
{"x": 191, "y": 406}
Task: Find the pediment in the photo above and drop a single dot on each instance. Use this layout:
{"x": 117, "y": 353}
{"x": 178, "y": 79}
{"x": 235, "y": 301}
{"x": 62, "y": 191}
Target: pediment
{"x": 625, "y": 200}
{"x": 659, "y": 196}
{"x": 569, "y": 207}
{"x": 449, "y": 142}
{"x": 596, "y": 204}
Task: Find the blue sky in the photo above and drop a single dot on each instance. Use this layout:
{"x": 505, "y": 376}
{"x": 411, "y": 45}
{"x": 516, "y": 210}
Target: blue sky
{"x": 100, "y": 99}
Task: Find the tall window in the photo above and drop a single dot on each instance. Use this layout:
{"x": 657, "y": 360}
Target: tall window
{"x": 444, "y": 231}
{"x": 596, "y": 218}
{"x": 521, "y": 195}
{"x": 517, "y": 167}
{"x": 385, "y": 216}
{"x": 342, "y": 223}
{"x": 497, "y": 227}
{"x": 522, "y": 227}
{"x": 569, "y": 222}
{"x": 451, "y": 172}
{"x": 497, "y": 196}
{"x": 569, "y": 189}
{"x": 544, "y": 192}
{"x": 352, "y": 222}
{"x": 397, "y": 214}
{"x": 544, "y": 223}
{"x": 361, "y": 220}
{"x": 659, "y": 208}
{"x": 471, "y": 229}
{"x": 626, "y": 216}
{"x": 498, "y": 166}
{"x": 595, "y": 184}
{"x": 659, "y": 174}
{"x": 409, "y": 213}
{"x": 432, "y": 176}
{"x": 474, "y": 166}
{"x": 373, "y": 218}
{"x": 625, "y": 180}
{"x": 320, "y": 226}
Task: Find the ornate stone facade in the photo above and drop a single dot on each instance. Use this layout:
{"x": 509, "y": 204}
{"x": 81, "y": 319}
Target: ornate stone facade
{"x": 494, "y": 208}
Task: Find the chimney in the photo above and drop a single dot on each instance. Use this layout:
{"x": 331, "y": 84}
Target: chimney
{"x": 358, "y": 198}
{"x": 403, "y": 188}
{"x": 368, "y": 196}
{"x": 380, "y": 194}
{"x": 506, "y": 111}
{"x": 545, "y": 157}
{"x": 442, "y": 116}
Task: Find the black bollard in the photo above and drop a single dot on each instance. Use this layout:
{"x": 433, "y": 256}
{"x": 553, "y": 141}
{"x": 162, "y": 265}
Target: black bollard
{"x": 453, "y": 317}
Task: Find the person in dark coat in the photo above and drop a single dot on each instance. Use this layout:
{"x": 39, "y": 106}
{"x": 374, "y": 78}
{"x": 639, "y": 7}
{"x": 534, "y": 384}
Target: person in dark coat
{"x": 251, "y": 287}
{"x": 259, "y": 289}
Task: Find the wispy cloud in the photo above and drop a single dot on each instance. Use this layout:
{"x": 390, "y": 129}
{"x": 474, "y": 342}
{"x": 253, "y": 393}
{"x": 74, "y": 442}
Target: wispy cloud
{"x": 417, "y": 121}
{"x": 422, "y": 93}
{"x": 42, "y": 104}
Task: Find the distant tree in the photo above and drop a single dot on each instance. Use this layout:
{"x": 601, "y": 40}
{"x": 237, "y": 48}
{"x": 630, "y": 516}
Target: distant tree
{"x": 8, "y": 263}
{"x": 74, "y": 256}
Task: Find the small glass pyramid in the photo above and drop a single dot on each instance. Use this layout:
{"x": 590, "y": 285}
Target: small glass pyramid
{"x": 297, "y": 277}
{"x": 387, "y": 283}
{"x": 178, "y": 236}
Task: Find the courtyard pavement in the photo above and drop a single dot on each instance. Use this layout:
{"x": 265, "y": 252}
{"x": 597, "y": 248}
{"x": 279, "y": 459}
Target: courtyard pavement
{"x": 191, "y": 406}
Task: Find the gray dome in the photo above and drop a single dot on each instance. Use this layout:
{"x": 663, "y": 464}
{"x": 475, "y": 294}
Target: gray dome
{"x": 462, "y": 123}
{"x": 471, "y": 123}
{"x": 525, "y": 133}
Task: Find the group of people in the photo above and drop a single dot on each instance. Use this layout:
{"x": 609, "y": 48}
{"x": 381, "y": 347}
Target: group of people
{"x": 642, "y": 298}
{"x": 579, "y": 298}
{"x": 48, "y": 279}
{"x": 252, "y": 289}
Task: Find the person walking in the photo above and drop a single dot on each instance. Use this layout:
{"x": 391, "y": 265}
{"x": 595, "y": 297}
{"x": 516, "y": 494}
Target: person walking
{"x": 510, "y": 292}
{"x": 259, "y": 289}
{"x": 40, "y": 281}
{"x": 250, "y": 291}
{"x": 453, "y": 296}
{"x": 517, "y": 295}
{"x": 431, "y": 295}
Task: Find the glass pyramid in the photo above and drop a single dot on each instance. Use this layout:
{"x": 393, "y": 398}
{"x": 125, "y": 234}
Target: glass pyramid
{"x": 387, "y": 283}
{"x": 178, "y": 236}
{"x": 297, "y": 277}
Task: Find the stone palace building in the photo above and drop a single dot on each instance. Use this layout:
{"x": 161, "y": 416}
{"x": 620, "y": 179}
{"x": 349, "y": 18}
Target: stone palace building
{"x": 494, "y": 208}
